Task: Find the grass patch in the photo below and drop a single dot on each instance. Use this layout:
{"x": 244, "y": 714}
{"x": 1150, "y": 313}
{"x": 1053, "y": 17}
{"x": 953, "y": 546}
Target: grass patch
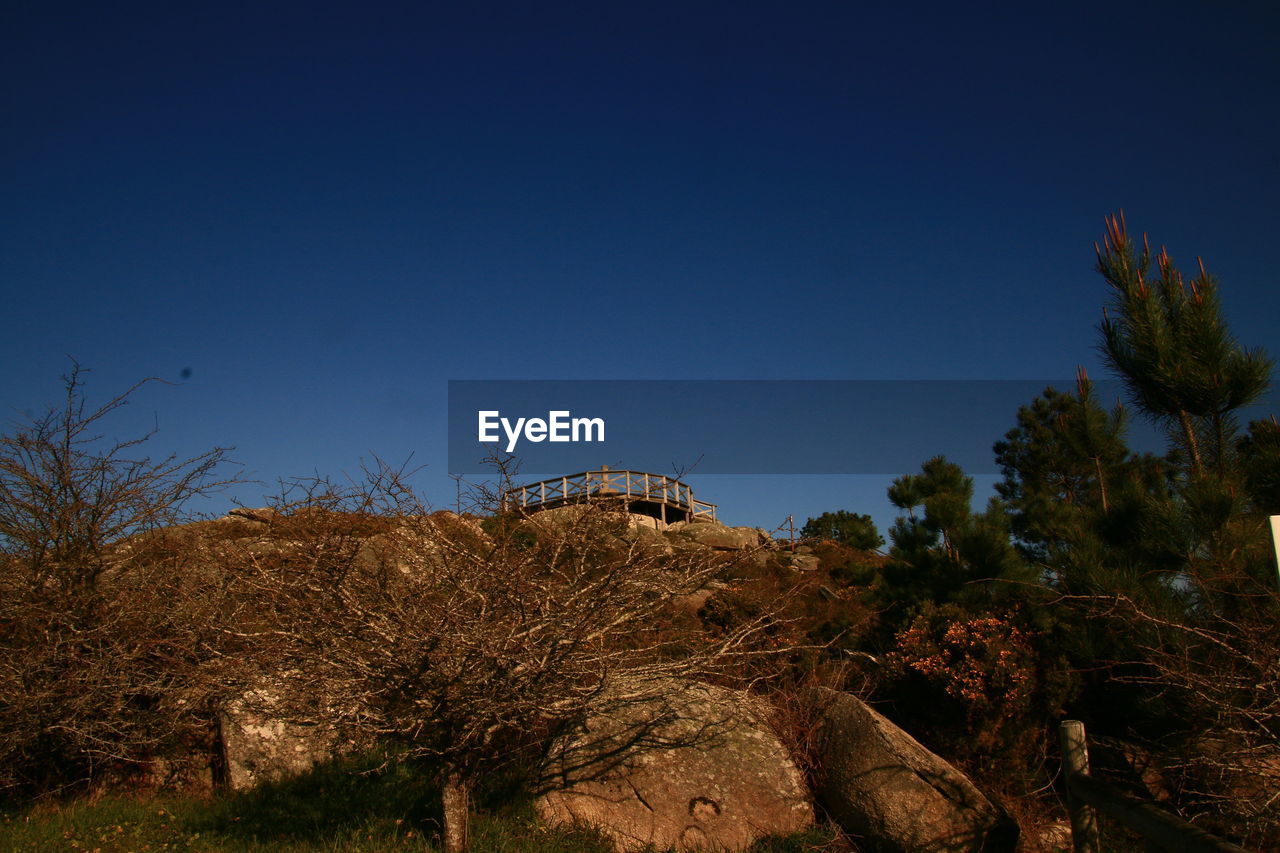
{"x": 358, "y": 806}
{"x": 343, "y": 802}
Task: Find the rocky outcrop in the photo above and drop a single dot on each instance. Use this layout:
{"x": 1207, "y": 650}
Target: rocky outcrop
{"x": 712, "y": 534}
{"x": 881, "y": 785}
{"x": 695, "y": 769}
{"x": 261, "y": 515}
{"x": 805, "y": 562}
{"x": 648, "y": 531}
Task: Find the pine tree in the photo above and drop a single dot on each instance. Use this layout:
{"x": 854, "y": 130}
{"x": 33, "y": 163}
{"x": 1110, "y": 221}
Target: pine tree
{"x": 1208, "y": 647}
{"x": 1081, "y": 505}
{"x": 1260, "y": 457}
{"x": 942, "y": 550}
{"x": 1166, "y": 338}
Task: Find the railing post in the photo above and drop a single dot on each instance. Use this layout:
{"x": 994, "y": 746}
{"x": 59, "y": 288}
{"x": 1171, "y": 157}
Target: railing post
{"x": 1075, "y": 762}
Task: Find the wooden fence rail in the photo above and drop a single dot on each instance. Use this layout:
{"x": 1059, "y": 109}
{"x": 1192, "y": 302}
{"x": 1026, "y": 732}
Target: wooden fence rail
{"x": 626, "y": 486}
{"x": 1085, "y": 795}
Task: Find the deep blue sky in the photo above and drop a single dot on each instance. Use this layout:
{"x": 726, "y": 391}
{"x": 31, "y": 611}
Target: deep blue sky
{"x": 326, "y": 211}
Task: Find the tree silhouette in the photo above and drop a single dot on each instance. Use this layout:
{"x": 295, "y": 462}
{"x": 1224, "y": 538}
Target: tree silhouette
{"x": 856, "y": 530}
{"x": 1166, "y": 338}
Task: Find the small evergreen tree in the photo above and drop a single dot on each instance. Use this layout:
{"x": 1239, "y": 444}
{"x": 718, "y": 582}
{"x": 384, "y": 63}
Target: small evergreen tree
{"x": 973, "y": 660}
{"x": 942, "y": 550}
{"x": 856, "y": 530}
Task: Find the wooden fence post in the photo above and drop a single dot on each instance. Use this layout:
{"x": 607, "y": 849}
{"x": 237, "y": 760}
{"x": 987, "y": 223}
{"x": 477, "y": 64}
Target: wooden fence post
{"x": 1075, "y": 762}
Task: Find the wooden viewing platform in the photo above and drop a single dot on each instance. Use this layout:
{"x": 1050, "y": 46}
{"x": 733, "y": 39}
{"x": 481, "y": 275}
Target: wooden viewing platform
{"x": 655, "y": 495}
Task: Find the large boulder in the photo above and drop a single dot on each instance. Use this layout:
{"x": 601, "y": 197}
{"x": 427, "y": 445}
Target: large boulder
{"x": 646, "y": 535}
{"x": 591, "y": 520}
{"x": 713, "y": 534}
{"x": 696, "y": 768}
{"x": 260, "y": 745}
{"x": 692, "y": 603}
{"x": 880, "y": 784}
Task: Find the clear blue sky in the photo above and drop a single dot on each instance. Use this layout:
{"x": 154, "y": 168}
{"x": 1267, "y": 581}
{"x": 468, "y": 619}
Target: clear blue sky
{"x": 324, "y": 211}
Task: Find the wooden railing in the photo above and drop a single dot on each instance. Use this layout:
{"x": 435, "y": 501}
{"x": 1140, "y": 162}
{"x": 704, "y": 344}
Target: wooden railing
{"x": 1162, "y": 830}
{"x": 626, "y": 486}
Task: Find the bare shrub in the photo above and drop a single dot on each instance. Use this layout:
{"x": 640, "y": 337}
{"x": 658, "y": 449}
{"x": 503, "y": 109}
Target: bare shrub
{"x": 1224, "y": 673}
{"x": 100, "y": 627}
{"x": 467, "y": 643}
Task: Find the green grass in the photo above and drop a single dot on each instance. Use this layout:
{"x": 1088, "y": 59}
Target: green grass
{"x": 350, "y": 806}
